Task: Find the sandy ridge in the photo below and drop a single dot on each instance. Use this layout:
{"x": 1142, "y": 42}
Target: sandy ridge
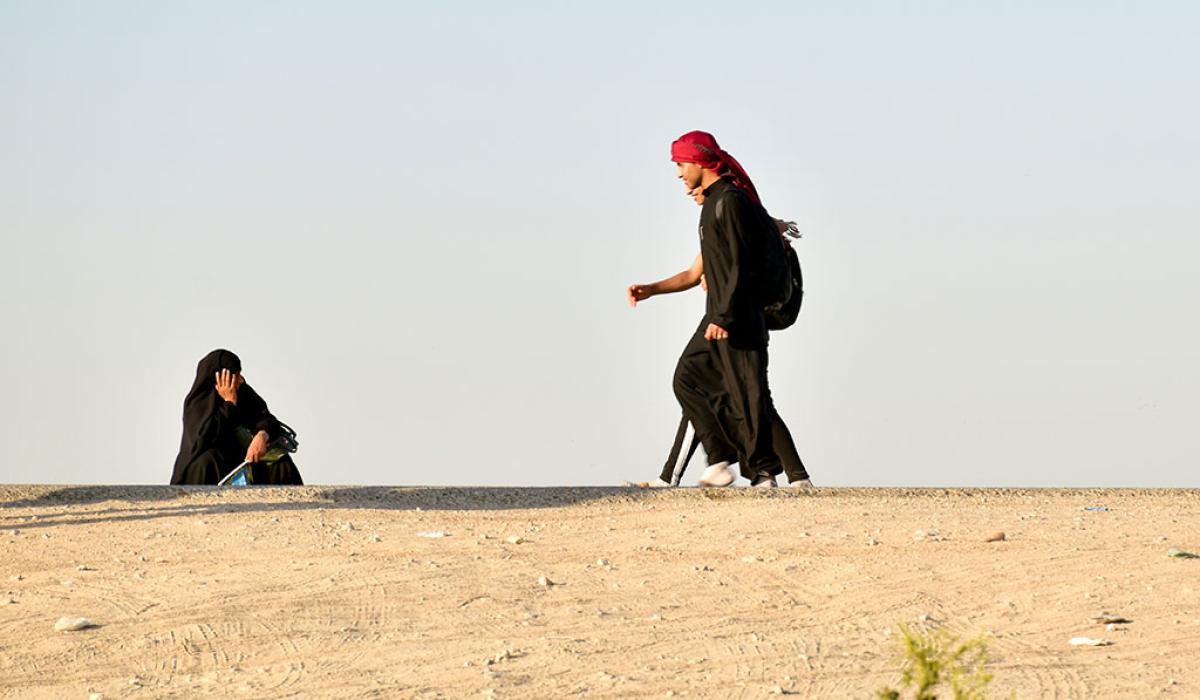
{"x": 328, "y": 591}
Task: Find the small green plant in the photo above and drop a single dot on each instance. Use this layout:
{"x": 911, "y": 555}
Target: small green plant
{"x": 937, "y": 661}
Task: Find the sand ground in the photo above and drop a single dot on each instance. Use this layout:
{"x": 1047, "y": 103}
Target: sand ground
{"x": 332, "y": 592}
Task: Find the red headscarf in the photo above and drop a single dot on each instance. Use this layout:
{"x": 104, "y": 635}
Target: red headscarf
{"x": 701, "y": 148}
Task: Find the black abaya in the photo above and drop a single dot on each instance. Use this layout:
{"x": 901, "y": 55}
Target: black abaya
{"x": 209, "y": 448}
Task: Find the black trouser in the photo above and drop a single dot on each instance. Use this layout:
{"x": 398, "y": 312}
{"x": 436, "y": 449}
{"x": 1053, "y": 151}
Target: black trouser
{"x": 686, "y": 443}
{"x": 785, "y": 448}
{"x": 722, "y": 387}
{"x": 698, "y": 383}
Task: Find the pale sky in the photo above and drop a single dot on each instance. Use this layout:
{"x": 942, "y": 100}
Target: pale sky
{"x": 415, "y": 224}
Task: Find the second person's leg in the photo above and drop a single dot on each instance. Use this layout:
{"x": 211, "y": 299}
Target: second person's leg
{"x": 682, "y": 451}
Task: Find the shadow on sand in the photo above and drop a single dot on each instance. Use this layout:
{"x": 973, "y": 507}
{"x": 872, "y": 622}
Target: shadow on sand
{"x": 30, "y": 507}
{"x": 54, "y": 506}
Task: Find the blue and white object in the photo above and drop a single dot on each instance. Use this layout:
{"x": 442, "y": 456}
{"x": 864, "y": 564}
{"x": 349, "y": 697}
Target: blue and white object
{"x": 238, "y": 477}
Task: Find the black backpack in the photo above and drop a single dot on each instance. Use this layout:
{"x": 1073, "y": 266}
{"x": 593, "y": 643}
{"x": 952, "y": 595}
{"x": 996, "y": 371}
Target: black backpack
{"x": 780, "y": 285}
{"x": 782, "y": 313}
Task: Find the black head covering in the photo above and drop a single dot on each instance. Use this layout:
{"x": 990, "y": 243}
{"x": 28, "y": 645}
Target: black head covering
{"x": 209, "y": 443}
{"x": 206, "y": 374}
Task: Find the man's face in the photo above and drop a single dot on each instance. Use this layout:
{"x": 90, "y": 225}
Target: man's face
{"x": 691, "y": 174}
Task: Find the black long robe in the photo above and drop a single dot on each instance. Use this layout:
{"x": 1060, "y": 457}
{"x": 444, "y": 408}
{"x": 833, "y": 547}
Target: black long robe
{"x": 722, "y": 385}
{"x": 209, "y": 447}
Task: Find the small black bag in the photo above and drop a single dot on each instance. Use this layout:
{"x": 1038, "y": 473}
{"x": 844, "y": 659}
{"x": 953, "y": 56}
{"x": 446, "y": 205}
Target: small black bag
{"x": 783, "y": 314}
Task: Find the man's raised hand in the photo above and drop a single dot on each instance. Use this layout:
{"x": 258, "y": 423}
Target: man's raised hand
{"x": 637, "y": 292}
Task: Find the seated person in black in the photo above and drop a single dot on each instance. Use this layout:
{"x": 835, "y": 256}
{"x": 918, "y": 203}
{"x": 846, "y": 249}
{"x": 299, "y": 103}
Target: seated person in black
{"x": 219, "y": 403}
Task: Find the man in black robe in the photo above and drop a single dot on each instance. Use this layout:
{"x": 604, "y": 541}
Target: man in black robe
{"x": 721, "y": 378}
{"x": 686, "y": 438}
{"x": 218, "y": 404}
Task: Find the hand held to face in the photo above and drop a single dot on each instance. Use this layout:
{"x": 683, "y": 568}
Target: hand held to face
{"x": 257, "y": 448}
{"x": 228, "y": 384}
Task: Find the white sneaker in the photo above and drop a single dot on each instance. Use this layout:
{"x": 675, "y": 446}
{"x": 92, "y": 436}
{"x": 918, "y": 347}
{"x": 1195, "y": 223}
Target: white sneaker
{"x": 717, "y": 475}
{"x": 802, "y": 484}
{"x": 764, "y": 481}
{"x": 656, "y": 484}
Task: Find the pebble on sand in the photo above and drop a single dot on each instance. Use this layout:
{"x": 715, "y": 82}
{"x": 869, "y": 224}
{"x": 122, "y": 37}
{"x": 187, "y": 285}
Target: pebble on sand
{"x": 996, "y": 536}
{"x": 505, "y": 655}
{"x": 73, "y": 624}
{"x": 515, "y": 539}
{"x": 545, "y": 582}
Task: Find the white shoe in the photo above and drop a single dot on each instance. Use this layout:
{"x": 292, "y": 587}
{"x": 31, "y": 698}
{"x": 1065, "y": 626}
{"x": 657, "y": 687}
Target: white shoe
{"x": 803, "y": 484}
{"x": 764, "y": 481}
{"x": 656, "y": 484}
{"x": 717, "y": 475}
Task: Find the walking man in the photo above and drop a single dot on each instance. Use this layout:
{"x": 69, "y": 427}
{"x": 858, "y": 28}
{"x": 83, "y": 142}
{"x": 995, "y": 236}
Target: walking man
{"x": 686, "y": 440}
{"x": 721, "y": 378}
